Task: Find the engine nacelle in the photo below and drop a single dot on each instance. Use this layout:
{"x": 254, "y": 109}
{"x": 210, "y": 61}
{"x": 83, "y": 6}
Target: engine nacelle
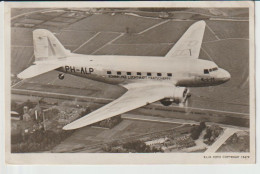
{"x": 180, "y": 95}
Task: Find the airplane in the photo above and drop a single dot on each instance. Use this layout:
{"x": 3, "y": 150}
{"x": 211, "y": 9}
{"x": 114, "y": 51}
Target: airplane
{"x": 147, "y": 78}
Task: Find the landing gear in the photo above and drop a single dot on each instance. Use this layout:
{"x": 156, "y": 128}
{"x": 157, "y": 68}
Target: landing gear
{"x": 166, "y": 102}
{"x": 61, "y": 76}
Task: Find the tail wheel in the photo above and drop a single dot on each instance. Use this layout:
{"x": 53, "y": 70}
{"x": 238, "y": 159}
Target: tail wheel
{"x": 61, "y": 76}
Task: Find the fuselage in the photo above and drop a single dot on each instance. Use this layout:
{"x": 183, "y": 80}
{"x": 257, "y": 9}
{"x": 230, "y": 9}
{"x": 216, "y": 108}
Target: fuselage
{"x": 184, "y": 72}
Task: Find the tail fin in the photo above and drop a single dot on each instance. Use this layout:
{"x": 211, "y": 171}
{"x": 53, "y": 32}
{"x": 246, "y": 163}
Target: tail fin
{"x": 190, "y": 43}
{"x": 47, "y": 46}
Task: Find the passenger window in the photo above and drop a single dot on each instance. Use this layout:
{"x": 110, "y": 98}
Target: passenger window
{"x": 108, "y": 72}
{"x": 128, "y": 73}
{"x": 118, "y": 72}
{"x": 159, "y": 74}
{"x": 169, "y": 74}
{"x": 215, "y": 69}
{"x": 206, "y": 71}
{"x": 210, "y": 70}
{"x": 138, "y": 73}
{"x": 149, "y": 74}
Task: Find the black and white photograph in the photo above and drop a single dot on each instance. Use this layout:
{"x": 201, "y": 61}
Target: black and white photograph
{"x": 166, "y": 80}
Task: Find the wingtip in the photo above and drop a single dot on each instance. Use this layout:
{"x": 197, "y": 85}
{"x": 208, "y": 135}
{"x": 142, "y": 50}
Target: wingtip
{"x": 19, "y": 76}
{"x": 201, "y": 22}
{"x": 72, "y": 126}
{"x": 198, "y": 24}
{"x": 41, "y": 31}
{"x": 68, "y": 127}
{"x": 22, "y": 76}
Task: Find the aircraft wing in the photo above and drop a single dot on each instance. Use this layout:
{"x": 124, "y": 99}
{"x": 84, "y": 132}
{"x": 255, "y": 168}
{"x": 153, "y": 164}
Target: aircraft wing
{"x": 37, "y": 69}
{"x": 190, "y": 43}
{"x": 134, "y": 98}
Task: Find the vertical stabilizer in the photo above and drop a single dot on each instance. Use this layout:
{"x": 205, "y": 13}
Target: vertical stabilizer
{"x": 47, "y": 46}
{"x": 190, "y": 43}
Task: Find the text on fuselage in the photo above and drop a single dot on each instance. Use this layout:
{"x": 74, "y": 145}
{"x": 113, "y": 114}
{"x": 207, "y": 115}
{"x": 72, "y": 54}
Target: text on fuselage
{"x": 139, "y": 77}
{"x": 210, "y": 79}
{"x": 82, "y": 70}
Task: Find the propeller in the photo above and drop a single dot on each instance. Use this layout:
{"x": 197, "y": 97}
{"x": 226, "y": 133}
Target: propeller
{"x": 186, "y": 104}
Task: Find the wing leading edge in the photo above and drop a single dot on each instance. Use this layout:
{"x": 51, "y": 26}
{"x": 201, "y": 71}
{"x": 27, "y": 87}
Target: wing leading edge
{"x": 190, "y": 43}
{"x": 132, "y": 99}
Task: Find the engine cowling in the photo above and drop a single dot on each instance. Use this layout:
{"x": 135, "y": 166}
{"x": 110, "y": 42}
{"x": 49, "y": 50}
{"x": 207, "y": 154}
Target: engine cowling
{"x": 180, "y": 95}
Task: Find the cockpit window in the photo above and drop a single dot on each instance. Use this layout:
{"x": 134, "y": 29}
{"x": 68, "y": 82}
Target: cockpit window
{"x": 206, "y": 71}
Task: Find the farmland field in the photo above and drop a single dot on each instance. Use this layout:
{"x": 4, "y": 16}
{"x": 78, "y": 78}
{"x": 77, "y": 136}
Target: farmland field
{"x": 135, "y": 49}
{"x": 116, "y": 23}
{"x": 97, "y": 42}
{"x": 168, "y": 32}
{"x": 68, "y": 37}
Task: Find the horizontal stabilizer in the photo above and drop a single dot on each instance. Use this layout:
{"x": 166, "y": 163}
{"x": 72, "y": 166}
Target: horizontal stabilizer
{"x": 36, "y": 70}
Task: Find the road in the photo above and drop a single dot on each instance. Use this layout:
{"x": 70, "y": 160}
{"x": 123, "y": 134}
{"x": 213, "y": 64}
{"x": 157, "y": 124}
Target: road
{"x": 222, "y": 139}
{"x": 176, "y": 121}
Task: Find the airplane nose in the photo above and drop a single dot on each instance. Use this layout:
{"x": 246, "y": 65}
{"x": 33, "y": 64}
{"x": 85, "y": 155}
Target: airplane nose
{"x": 225, "y": 75}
